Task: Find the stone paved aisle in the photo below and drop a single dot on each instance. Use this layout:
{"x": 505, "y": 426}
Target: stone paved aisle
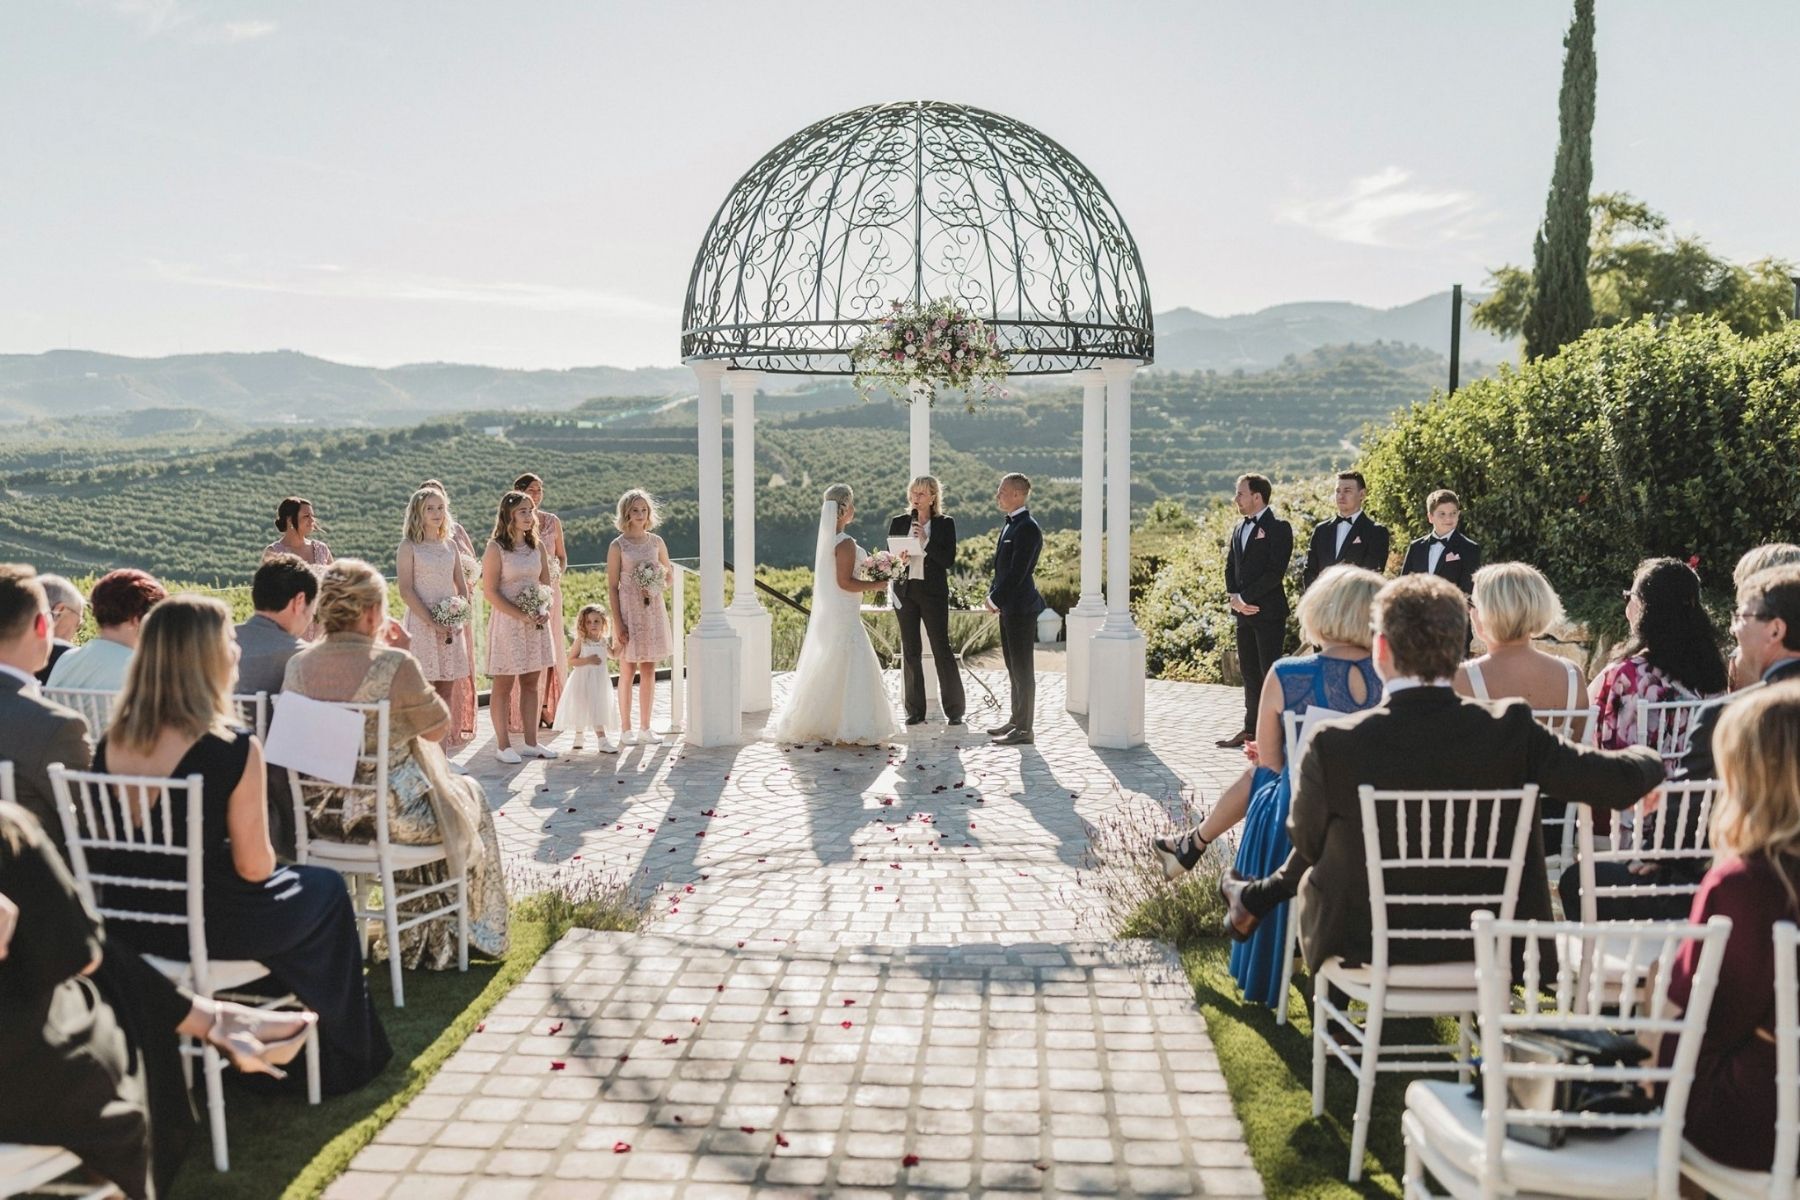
{"x": 868, "y": 973}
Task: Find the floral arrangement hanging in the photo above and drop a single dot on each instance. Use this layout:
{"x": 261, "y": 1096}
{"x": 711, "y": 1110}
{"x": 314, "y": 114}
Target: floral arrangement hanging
{"x": 933, "y": 345}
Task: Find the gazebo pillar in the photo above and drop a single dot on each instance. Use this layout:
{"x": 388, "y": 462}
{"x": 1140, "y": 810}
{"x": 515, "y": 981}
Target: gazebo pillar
{"x": 751, "y": 622}
{"x": 921, "y": 429}
{"x": 1084, "y": 620}
{"x": 714, "y": 717}
{"x": 1116, "y": 658}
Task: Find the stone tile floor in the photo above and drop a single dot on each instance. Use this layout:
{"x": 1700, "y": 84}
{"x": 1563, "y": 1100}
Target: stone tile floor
{"x": 868, "y": 972}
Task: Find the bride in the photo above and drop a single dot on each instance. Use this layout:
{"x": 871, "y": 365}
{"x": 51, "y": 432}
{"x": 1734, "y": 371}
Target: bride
{"x": 837, "y": 693}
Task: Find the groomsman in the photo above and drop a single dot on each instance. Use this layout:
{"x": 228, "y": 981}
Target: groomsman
{"x": 1444, "y": 552}
{"x": 1015, "y": 597}
{"x": 1256, "y": 565}
{"x": 926, "y": 602}
{"x": 1350, "y": 537}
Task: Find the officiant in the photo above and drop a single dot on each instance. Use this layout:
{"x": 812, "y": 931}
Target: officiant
{"x": 923, "y": 598}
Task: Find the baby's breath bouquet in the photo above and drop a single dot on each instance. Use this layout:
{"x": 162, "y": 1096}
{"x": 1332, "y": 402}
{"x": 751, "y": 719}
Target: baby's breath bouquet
{"x": 452, "y": 613}
{"x": 937, "y": 344}
{"x": 535, "y": 601}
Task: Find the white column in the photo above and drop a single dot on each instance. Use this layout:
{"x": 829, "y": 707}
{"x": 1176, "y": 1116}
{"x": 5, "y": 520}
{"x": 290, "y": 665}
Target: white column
{"x": 713, "y": 717}
{"x": 1084, "y": 620}
{"x": 921, "y": 430}
{"x": 748, "y": 618}
{"x": 1116, "y": 658}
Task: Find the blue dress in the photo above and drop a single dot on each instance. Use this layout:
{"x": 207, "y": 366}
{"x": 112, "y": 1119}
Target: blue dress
{"x": 1307, "y": 681}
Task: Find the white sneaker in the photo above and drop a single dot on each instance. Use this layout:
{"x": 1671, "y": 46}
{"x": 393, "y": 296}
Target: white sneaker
{"x": 608, "y": 746}
{"x": 508, "y": 756}
{"x": 537, "y": 752}
{"x": 630, "y": 737}
{"x": 652, "y": 738}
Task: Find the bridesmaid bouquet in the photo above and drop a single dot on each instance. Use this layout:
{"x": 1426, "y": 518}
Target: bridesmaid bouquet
{"x": 471, "y": 568}
{"x": 452, "y": 613}
{"x": 649, "y": 579}
{"x": 883, "y": 566}
{"x": 535, "y": 601}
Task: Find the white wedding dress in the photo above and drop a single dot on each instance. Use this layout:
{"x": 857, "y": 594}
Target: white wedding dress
{"x": 837, "y": 693}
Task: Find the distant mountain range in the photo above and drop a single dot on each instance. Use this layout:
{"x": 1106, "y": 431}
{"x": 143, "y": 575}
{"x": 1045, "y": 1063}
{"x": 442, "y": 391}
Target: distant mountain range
{"x": 287, "y": 387}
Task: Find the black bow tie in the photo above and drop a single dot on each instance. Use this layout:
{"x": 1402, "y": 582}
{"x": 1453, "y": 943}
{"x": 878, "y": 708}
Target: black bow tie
{"x": 1346, "y": 520}
{"x": 1439, "y": 541}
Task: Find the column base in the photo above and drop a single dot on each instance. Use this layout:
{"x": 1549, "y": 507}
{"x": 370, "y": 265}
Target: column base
{"x": 755, "y": 630}
{"x": 1079, "y": 627}
{"x": 714, "y": 661}
{"x": 1116, "y": 690}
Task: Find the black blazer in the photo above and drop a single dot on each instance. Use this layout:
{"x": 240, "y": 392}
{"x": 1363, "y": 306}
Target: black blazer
{"x": 1698, "y": 762}
{"x": 1458, "y": 563}
{"x": 1015, "y": 560}
{"x": 1367, "y": 546}
{"x": 940, "y": 555}
{"x": 1429, "y": 737}
{"x": 1257, "y": 572}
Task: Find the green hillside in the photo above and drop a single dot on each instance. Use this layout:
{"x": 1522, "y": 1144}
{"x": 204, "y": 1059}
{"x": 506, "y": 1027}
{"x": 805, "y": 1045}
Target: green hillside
{"x": 191, "y": 509}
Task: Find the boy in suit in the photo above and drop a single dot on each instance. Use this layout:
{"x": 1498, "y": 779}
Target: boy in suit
{"x": 1256, "y": 565}
{"x": 1444, "y": 552}
{"x": 1015, "y": 597}
{"x": 1350, "y": 537}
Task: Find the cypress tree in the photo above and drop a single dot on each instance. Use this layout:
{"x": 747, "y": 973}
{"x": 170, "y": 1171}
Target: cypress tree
{"x": 1561, "y": 308}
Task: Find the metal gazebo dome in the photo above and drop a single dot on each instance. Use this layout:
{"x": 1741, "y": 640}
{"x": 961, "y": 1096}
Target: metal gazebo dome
{"x": 916, "y": 201}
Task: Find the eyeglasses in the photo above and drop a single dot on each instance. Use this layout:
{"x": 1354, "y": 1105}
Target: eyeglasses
{"x": 1741, "y": 615}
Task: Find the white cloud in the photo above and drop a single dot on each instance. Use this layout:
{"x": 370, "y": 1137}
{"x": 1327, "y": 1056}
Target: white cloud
{"x": 154, "y": 18}
{"x": 338, "y": 282}
{"x": 1385, "y": 208}
{"x": 245, "y": 31}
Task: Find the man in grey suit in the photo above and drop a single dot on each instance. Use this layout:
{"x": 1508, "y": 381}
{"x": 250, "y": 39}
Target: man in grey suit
{"x": 34, "y": 733}
{"x": 282, "y": 593}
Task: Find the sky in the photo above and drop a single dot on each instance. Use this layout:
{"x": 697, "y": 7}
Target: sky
{"x": 526, "y": 185}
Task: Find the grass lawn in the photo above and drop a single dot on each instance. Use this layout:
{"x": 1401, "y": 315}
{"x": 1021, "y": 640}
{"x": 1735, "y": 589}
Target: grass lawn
{"x": 281, "y": 1146}
{"x": 1268, "y": 1068}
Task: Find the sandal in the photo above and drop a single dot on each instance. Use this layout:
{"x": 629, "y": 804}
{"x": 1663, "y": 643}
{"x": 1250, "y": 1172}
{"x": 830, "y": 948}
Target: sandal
{"x": 236, "y": 1033}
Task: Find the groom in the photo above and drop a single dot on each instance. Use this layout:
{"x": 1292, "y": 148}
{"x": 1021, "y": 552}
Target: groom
{"x": 1015, "y": 597}
{"x": 926, "y": 601}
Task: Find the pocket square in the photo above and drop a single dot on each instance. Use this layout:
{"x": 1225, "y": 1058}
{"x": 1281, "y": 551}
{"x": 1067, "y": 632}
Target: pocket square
{"x": 1356, "y": 541}
{"x": 1453, "y": 557}
{"x": 1261, "y": 534}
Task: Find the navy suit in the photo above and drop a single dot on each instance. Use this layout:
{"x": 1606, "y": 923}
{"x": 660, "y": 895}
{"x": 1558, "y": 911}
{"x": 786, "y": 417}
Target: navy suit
{"x": 1015, "y": 594}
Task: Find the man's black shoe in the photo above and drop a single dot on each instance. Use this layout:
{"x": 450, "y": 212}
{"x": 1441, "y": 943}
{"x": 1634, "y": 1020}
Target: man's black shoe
{"x": 1000, "y": 729}
{"x": 1015, "y": 737}
{"x": 1233, "y": 742}
{"x": 1238, "y": 921}
{"x": 915, "y": 720}
{"x": 953, "y": 721}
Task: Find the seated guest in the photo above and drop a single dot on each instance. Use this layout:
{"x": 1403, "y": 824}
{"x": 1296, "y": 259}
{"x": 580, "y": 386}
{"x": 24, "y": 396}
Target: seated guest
{"x": 1334, "y": 616}
{"x": 66, "y": 610}
{"x": 121, "y": 599}
{"x": 282, "y": 595}
{"x": 1672, "y": 653}
{"x": 175, "y": 718}
{"x": 1753, "y": 562}
{"x": 33, "y": 732}
{"x": 95, "y": 1029}
{"x": 1756, "y": 882}
{"x": 1511, "y": 604}
{"x": 426, "y": 802}
{"x": 1767, "y": 631}
{"x": 1421, "y": 736}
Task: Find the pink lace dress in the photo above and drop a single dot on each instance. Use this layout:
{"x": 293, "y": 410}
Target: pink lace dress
{"x": 643, "y": 615}
{"x": 517, "y": 647}
{"x": 441, "y": 652}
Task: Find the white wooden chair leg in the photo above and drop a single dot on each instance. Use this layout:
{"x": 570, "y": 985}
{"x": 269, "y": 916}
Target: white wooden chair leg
{"x": 1368, "y": 1068}
{"x": 462, "y": 921}
{"x": 215, "y": 1106}
{"x": 1465, "y": 1048}
{"x": 1288, "y": 939}
{"x": 391, "y": 921}
{"x": 312, "y": 1064}
{"x": 1319, "y": 1052}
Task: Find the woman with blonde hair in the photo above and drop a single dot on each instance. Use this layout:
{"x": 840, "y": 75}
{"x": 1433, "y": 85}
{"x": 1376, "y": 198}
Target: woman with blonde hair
{"x": 638, "y": 573}
{"x": 1755, "y": 882}
{"x": 426, "y": 803}
{"x": 174, "y": 719}
{"x": 464, "y": 706}
{"x": 925, "y": 601}
{"x": 1511, "y": 604}
{"x": 1340, "y": 677}
{"x": 430, "y": 579}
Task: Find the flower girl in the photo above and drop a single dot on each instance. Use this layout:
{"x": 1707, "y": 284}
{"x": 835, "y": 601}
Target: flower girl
{"x": 587, "y": 699}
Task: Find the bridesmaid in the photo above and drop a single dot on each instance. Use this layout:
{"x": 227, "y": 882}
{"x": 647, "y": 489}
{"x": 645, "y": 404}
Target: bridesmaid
{"x": 640, "y": 616}
{"x": 295, "y": 520}
{"x": 463, "y": 706}
{"x": 429, "y": 572}
{"x": 519, "y": 645}
{"x": 551, "y": 534}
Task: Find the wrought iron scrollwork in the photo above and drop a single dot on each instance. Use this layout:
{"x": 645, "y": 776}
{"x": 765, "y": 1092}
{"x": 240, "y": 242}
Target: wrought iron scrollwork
{"x": 916, "y": 201}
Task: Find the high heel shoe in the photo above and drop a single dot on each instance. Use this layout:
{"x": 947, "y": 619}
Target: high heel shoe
{"x": 236, "y": 1033}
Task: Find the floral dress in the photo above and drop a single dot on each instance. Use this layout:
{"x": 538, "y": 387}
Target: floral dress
{"x": 643, "y": 615}
{"x": 1621, "y": 688}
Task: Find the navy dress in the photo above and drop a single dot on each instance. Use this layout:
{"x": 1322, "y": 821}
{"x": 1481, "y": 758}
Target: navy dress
{"x": 298, "y": 922}
{"x": 1307, "y": 681}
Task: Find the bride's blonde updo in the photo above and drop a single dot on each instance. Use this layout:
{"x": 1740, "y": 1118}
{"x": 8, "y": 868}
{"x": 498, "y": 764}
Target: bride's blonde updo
{"x": 840, "y": 495}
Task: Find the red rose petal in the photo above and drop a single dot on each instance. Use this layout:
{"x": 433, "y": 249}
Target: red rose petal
{"x": 481, "y": 1027}
{"x": 746, "y": 1129}
{"x": 621, "y": 1147}
{"x": 557, "y": 1066}
{"x": 786, "y": 1061}
{"x": 911, "y": 1160}
{"x": 848, "y": 1002}
{"x": 845, "y": 1024}
{"x": 670, "y": 1040}
{"x": 554, "y": 1029}
{"x": 780, "y": 1140}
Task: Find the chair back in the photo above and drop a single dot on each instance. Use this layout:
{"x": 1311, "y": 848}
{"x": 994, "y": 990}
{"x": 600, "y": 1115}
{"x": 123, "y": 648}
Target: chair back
{"x": 131, "y": 820}
{"x": 1549, "y": 1007}
{"x": 1581, "y": 726}
{"x": 1668, "y": 826}
{"x": 253, "y": 712}
{"x": 94, "y": 704}
{"x": 1667, "y": 726}
{"x": 311, "y": 793}
{"x": 1450, "y": 844}
{"x": 9, "y": 791}
{"x": 1290, "y": 740}
{"x": 1787, "y": 1061}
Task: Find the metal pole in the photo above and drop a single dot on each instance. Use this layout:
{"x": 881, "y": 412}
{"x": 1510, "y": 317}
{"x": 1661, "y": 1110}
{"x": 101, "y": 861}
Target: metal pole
{"x": 1796, "y": 308}
{"x": 1455, "y": 336}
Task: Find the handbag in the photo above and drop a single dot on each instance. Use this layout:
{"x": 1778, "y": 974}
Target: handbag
{"x": 1574, "y": 1047}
